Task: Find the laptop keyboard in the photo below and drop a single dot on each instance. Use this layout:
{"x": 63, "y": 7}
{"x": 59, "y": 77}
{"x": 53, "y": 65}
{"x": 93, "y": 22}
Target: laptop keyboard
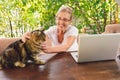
{"x": 75, "y": 54}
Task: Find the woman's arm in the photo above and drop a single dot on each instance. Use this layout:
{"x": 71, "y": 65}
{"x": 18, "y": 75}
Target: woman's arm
{"x": 48, "y": 41}
{"x": 60, "y": 48}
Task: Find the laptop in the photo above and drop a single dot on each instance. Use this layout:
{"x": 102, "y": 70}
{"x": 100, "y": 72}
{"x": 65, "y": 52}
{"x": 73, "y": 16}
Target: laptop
{"x": 96, "y": 47}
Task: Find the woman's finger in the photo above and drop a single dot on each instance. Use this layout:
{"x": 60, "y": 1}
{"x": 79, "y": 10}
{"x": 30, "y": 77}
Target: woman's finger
{"x": 26, "y": 36}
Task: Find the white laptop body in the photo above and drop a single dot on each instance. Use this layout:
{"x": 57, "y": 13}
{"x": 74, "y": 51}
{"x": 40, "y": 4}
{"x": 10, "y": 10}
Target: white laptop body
{"x": 96, "y": 47}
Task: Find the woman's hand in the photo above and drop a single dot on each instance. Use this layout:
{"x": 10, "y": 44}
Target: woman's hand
{"x": 61, "y": 30}
{"x": 26, "y": 36}
{"x": 46, "y": 48}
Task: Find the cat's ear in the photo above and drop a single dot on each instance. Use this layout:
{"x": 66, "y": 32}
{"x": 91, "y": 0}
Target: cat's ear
{"x": 32, "y": 31}
{"x": 42, "y": 29}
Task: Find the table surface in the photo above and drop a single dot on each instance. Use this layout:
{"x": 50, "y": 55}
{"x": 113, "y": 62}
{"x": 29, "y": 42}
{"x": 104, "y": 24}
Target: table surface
{"x": 63, "y": 67}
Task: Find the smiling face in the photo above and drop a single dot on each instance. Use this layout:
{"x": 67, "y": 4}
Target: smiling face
{"x": 63, "y": 19}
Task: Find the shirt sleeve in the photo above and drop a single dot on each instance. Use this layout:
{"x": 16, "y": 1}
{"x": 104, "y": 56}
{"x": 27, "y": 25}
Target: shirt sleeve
{"x": 73, "y": 31}
{"x": 49, "y": 32}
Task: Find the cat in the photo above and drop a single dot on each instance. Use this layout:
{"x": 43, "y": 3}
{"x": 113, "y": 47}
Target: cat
{"x": 18, "y": 53}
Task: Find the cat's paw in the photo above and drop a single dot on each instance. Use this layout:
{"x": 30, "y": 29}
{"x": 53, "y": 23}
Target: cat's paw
{"x": 39, "y": 62}
{"x": 19, "y": 64}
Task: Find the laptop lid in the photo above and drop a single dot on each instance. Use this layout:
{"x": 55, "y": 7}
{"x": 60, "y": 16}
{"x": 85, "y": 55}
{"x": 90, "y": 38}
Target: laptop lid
{"x": 97, "y": 47}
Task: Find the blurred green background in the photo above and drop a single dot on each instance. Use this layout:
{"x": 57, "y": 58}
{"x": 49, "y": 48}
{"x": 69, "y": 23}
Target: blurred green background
{"x": 19, "y": 16}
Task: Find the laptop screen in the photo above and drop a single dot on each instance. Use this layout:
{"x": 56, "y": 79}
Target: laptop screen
{"x": 98, "y": 47}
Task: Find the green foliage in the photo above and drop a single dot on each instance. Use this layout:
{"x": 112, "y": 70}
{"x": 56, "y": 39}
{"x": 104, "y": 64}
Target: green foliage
{"x": 19, "y": 16}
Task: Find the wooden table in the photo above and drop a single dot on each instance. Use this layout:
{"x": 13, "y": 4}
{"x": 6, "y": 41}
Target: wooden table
{"x": 63, "y": 67}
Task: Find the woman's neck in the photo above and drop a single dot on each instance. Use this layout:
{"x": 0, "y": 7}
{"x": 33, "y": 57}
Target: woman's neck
{"x": 60, "y": 35}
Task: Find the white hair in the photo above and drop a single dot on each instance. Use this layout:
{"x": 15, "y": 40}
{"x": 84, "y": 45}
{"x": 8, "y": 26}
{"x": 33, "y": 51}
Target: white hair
{"x": 64, "y": 8}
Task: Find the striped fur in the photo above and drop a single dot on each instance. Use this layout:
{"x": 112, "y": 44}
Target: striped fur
{"x": 18, "y": 53}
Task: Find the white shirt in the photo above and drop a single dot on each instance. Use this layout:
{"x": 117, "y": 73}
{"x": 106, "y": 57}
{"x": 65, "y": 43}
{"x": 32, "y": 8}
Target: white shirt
{"x": 70, "y": 31}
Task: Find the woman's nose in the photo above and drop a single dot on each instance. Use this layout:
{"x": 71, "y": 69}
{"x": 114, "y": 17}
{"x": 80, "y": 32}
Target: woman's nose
{"x": 61, "y": 22}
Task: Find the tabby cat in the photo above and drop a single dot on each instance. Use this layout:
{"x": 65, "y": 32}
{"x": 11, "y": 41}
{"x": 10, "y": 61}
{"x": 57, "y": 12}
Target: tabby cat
{"x": 18, "y": 53}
